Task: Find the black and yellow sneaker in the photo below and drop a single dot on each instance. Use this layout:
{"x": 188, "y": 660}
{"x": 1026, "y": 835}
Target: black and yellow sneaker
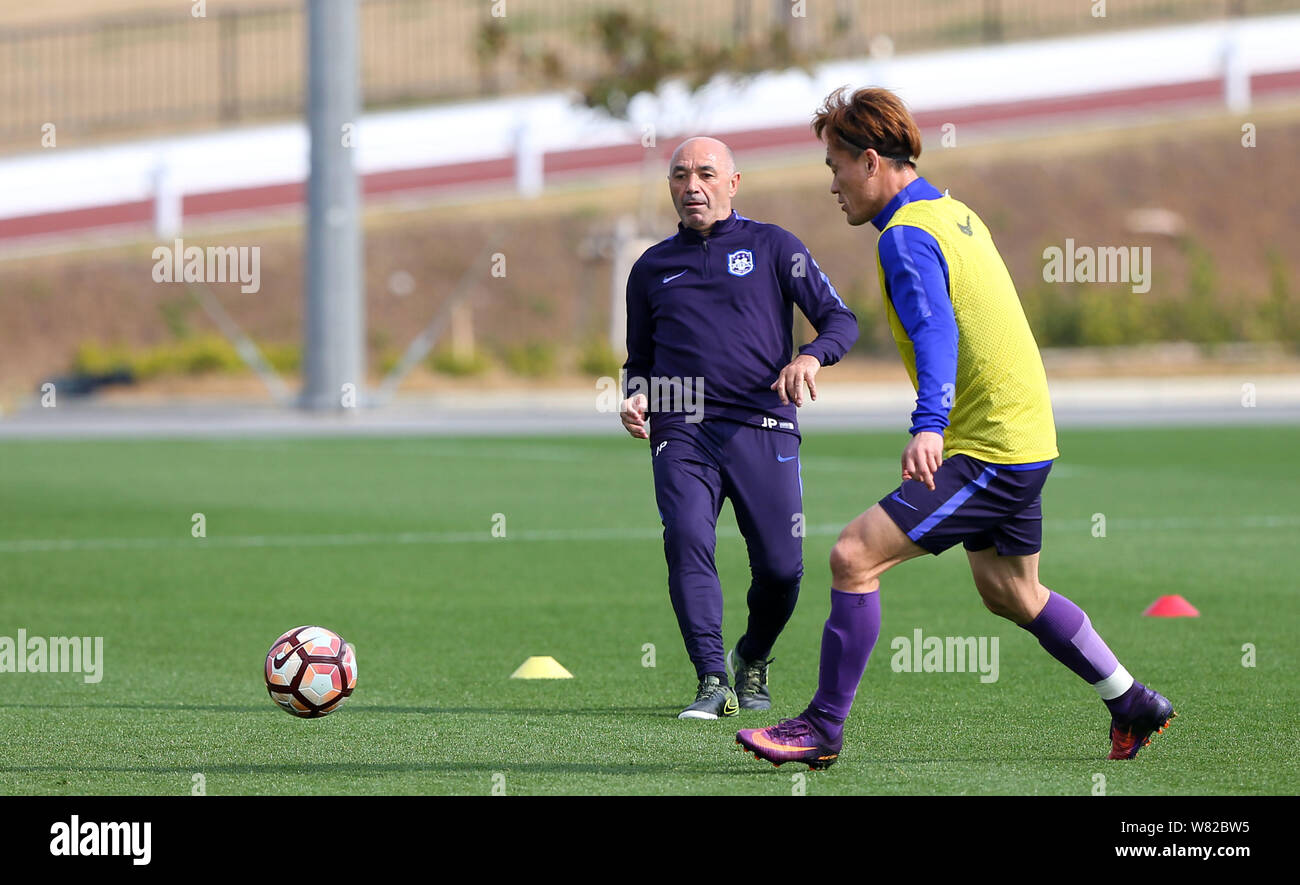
{"x": 750, "y": 679}
{"x": 712, "y": 700}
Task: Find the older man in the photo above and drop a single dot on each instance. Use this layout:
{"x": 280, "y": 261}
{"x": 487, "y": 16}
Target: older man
{"x": 710, "y": 382}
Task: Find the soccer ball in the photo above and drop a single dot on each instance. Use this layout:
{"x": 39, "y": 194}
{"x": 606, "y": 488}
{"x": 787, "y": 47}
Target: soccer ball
{"x": 310, "y": 671}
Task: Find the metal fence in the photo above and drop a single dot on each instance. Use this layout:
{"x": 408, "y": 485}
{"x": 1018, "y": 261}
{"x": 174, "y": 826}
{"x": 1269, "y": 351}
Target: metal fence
{"x": 163, "y": 72}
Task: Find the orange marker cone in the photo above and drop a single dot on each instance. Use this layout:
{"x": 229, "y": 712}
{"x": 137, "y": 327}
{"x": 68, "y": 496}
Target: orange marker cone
{"x": 1172, "y": 607}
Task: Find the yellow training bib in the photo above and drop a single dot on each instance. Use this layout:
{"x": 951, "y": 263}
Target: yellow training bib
{"x": 1001, "y": 409}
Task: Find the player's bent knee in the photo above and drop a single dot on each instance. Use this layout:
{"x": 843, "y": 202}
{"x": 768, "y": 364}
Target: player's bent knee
{"x": 997, "y": 605}
{"x": 851, "y": 562}
{"x": 1008, "y": 601}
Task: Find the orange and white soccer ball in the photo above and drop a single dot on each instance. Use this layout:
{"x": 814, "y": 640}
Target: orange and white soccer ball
{"x": 310, "y": 671}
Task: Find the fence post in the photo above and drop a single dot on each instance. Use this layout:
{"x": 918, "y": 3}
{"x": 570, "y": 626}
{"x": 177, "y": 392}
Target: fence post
{"x": 228, "y": 52}
{"x": 166, "y": 200}
{"x": 1236, "y": 73}
{"x": 528, "y": 158}
{"x": 740, "y": 21}
{"x": 627, "y": 248}
{"x": 992, "y": 21}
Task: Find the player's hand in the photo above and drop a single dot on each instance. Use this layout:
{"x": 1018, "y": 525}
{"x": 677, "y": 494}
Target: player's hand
{"x": 922, "y": 457}
{"x": 789, "y": 384}
{"x": 633, "y": 412}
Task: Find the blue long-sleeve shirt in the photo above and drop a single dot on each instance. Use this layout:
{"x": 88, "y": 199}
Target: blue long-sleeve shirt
{"x": 721, "y": 308}
{"x": 916, "y": 280}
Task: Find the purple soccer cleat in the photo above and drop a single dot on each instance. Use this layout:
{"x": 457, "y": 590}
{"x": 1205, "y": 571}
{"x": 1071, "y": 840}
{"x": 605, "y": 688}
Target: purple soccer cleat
{"x": 1154, "y": 713}
{"x": 790, "y": 740}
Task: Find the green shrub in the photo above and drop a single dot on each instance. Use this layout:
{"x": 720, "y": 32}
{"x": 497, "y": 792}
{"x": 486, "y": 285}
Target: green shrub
{"x": 197, "y": 356}
{"x": 1055, "y": 314}
{"x": 536, "y": 359}
{"x": 1281, "y": 313}
{"x": 286, "y": 358}
{"x": 93, "y": 358}
{"x": 1110, "y": 317}
{"x": 387, "y": 360}
{"x": 446, "y": 362}
{"x": 1203, "y": 318}
{"x": 599, "y": 359}
{"x": 210, "y": 353}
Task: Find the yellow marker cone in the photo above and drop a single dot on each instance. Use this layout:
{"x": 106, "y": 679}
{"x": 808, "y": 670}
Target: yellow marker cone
{"x": 541, "y": 667}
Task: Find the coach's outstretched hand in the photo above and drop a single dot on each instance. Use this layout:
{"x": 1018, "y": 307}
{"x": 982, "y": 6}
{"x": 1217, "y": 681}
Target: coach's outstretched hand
{"x": 922, "y": 457}
{"x": 789, "y": 384}
{"x": 632, "y": 411}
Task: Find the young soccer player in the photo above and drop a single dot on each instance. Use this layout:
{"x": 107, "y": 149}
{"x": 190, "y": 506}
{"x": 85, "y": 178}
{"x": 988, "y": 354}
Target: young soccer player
{"x": 983, "y": 438}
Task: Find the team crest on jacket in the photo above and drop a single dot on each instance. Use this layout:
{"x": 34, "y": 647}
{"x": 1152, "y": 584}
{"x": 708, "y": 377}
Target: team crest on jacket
{"x": 740, "y": 263}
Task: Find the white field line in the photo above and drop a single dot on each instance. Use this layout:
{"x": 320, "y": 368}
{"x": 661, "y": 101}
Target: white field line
{"x": 646, "y": 533}
{"x": 548, "y": 452}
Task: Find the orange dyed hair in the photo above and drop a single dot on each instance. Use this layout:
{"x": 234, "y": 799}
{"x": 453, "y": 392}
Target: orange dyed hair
{"x": 869, "y": 118}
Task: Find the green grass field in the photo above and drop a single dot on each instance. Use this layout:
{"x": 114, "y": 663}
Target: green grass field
{"x": 389, "y": 542}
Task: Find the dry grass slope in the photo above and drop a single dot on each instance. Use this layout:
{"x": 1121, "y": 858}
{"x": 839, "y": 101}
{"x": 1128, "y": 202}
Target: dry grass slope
{"x": 1032, "y": 194}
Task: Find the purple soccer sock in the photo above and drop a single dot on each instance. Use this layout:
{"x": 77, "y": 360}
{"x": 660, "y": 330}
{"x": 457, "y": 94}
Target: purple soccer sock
{"x": 847, "y": 640}
{"x": 1065, "y": 631}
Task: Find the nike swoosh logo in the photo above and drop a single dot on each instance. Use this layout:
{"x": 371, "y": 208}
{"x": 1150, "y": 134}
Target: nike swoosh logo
{"x": 783, "y": 460}
{"x": 769, "y": 744}
{"x": 673, "y": 277}
{"x": 730, "y": 708}
{"x": 966, "y": 229}
{"x": 896, "y": 497}
{"x": 280, "y": 659}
